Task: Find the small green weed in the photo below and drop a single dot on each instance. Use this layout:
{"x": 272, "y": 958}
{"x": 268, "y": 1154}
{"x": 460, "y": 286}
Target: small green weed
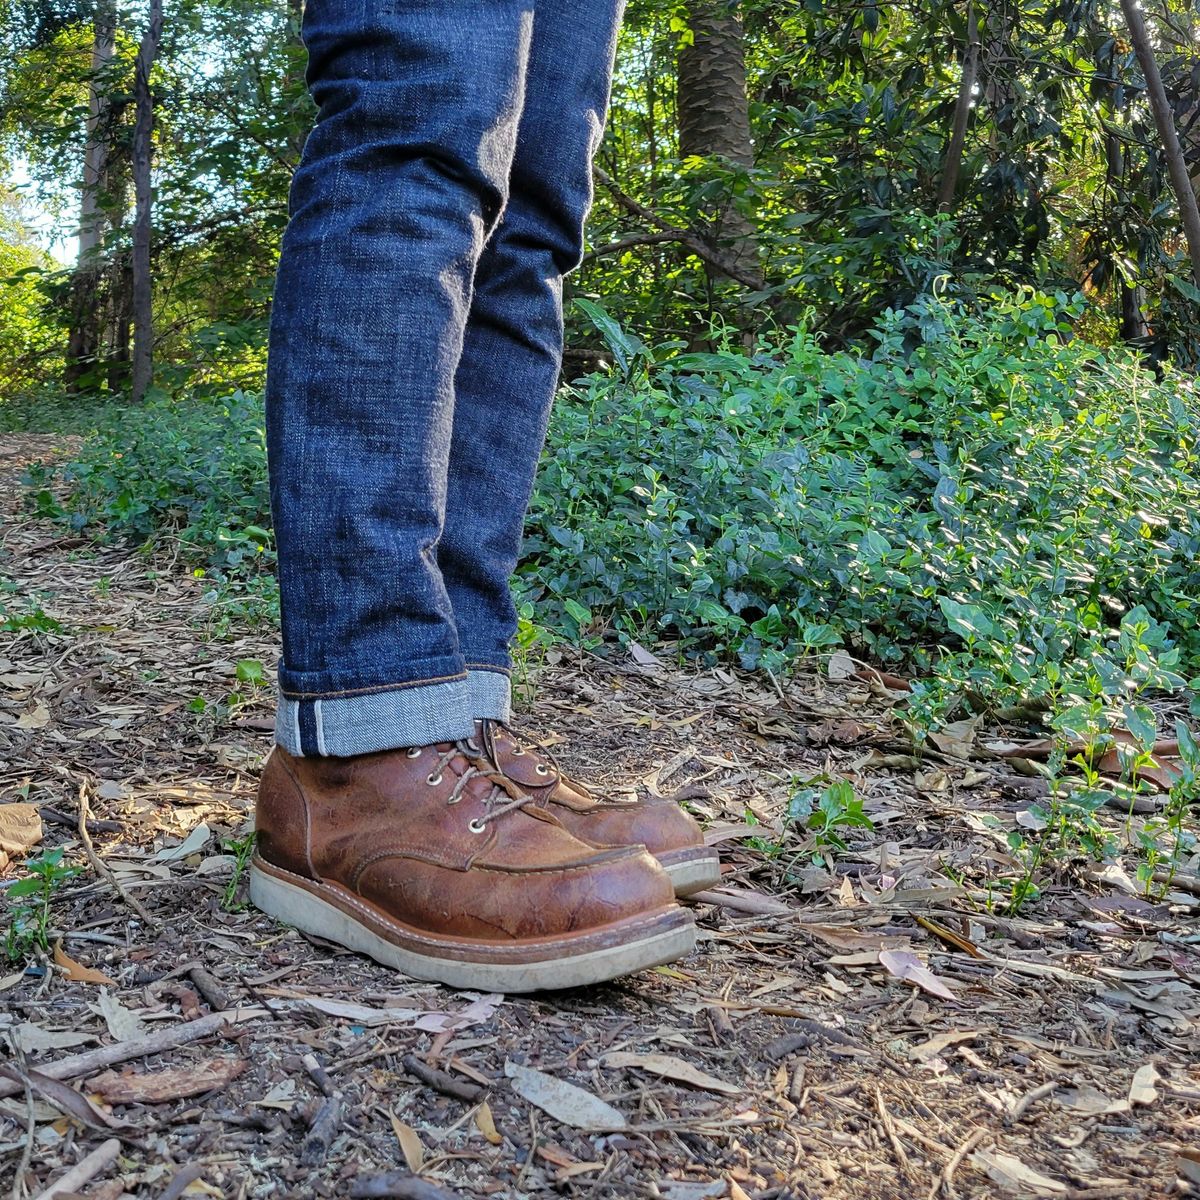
{"x": 824, "y": 815}
{"x": 28, "y": 930}
{"x": 242, "y": 849}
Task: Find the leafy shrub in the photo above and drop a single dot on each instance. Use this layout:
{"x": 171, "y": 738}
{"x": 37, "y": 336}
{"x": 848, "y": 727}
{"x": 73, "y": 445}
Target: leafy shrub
{"x": 984, "y": 498}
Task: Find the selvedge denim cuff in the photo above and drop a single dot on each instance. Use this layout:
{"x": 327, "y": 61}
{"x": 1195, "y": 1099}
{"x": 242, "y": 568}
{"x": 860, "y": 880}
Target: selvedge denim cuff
{"x": 417, "y": 714}
{"x": 489, "y": 693}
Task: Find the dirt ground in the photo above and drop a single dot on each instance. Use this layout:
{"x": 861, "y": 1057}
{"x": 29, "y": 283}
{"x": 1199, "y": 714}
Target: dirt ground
{"x": 865, "y": 1029}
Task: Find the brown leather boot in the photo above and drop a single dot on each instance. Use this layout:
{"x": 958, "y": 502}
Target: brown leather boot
{"x": 669, "y": 833}
{"x": 429, "y": 862}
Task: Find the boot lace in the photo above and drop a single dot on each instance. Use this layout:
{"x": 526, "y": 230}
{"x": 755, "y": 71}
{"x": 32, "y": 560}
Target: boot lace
{"x": 499, "y": 799}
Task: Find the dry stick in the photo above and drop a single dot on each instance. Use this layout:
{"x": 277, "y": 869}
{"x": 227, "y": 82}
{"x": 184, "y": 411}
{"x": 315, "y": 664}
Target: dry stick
{"x": 890, "y": 1129}
{"x": 1031, "y": 1097}
{"x": 83, "y": 1171}
{"x": 441, "y": 1082}
{"x": 18, "y": 1187}
{"x": 321, "y": 1132}
{"x": 946, "y": 1180}
{"x": 99, "y": 867}
{"x": 154, "y": 1043}
{"x": 182, "y": 1181}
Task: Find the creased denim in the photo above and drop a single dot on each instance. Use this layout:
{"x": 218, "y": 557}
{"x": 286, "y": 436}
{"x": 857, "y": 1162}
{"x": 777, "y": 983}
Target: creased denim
{"x": 415, "y": 342}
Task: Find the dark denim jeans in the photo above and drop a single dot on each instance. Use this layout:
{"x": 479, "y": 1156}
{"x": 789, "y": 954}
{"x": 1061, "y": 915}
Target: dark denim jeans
{"x": 416, "y": 338}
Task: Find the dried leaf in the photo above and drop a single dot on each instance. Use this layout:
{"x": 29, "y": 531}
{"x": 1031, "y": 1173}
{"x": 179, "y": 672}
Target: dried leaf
{"x": 192, "y": 844}
{"x": 1089, "y": 1101}
{"x": 1143, "y": 1089}
{"x": 175, "y": 1083}
{"x": 908, "y": 968}
{"x": 65, "y": 1099}
{"x": 943, "y": 1041}
{"x": 20, "y": 827}
{"x": 38, "y": 717}
{"x": 32, "y": 1039}
{"x": 675, "y": 1069}
{"x": 486, "y": 1125}
{"x": 949, "y": 936}
{"x": 841, "y": 666}
{"x": 643, "y": 657}
{"x": 563, "y": 1101}
{"x": 479, "y": 1010}
{"x": 410, "y": 1144}
{"x": 77, "y": 972}
{"x": 124, "y": 1025}
{"x": 1014, "y": 1176}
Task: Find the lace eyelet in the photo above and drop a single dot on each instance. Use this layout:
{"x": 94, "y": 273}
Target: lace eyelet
{"x": 542, "y": 770}
{"x": 517, "y": 751}
{"x": 414, "y": 751}
{"x": 475, "y": 825}
{"x": 433, "y": 780}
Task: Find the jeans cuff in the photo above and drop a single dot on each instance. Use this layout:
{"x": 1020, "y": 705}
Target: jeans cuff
{"x": 415, "y": 715}
{"x": 489, "y": 693}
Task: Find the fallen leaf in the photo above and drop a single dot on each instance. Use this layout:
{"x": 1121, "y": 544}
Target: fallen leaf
{"x": 1143, "y": 1090}
{"x": 956, "y": 739}
{"x": 1089, "y": 1101}
{"x": 563, "y": 1101}
{"x": 486, "y": 1124}
{"x": 1014, "y": 1176}
{"x": 38, "y": 717}
{"x": 410, "y": 1144}
{"x": 841, "y": 666}
{"x": 478, "y": 1011}
{"x": 66, "y": 1099}
{"x": 192, "y": 844}
{"x": 175, "y": 1083}
{"x": 943, "y": 1041}
{"x": 908, "y": 968}
{"x": 949, "y": 936}
{"x": 643, "y": 657}
{"x": 124, "y": 1025}
{"x": 20, "y": 827}
{"x": 675, "y": 1069}
{"x": 77, "y": 972}
{"x": 32, "y": 1039}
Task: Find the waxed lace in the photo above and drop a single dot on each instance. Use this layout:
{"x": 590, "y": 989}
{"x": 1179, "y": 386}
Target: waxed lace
{"x": 493, "y": 808}
{"x": 525, "y": 742}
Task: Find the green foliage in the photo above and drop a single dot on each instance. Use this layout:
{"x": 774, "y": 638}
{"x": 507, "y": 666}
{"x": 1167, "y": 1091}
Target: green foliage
{"x": 242, "y": 849}
{"x": 825, "y": 815}
{"x": 28, "y": 929}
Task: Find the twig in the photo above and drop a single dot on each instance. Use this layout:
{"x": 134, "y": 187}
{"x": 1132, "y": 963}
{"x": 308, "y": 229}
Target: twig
{"x": 441, "y": 1082}
{"x": 399, "y": 1186}
{"x": 18, "y": 1187}
{"x": 84, "y": 1171}
{"x": 99, "y": 867}
{"x": 890, "y": 1129}
{"x": 747, "y": 902}
{"x": 945, "y": 1181}
{"x": 154, "y": 1043}
{"x": 317, "y": 1074}
{"x": 699, "y": 247}
{"x": 182, "y": 1181}
{"x": 1031, "y": 1097}
{"x": 214, "y": 994}
{"x": 321, "y": 1132}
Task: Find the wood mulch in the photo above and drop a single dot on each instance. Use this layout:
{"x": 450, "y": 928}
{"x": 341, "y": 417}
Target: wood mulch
{"x": 868, "y": 1027}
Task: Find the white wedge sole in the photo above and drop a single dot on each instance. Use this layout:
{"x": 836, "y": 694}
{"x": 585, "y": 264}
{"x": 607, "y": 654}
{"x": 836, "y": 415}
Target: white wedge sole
{"x": 571, "y": 961}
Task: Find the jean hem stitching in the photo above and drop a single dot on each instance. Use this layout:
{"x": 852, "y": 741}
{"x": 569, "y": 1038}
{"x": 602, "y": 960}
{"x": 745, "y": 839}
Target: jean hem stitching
{"x": 372, "y": 691}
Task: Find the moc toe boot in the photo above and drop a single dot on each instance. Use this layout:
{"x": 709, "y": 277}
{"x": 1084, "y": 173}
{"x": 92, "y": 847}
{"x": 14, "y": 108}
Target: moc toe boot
{"x": 429, "y": 862}
{"x": 667, "y": 832}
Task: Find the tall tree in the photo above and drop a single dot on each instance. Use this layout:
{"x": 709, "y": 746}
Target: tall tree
{"x": 714, "y": 114}
{"x": 143, "y": 137}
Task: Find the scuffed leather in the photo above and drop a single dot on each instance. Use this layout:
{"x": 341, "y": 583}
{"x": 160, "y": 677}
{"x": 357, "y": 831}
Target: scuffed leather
{"x": 374, "y": 824}
{"x": 659, "y": 825}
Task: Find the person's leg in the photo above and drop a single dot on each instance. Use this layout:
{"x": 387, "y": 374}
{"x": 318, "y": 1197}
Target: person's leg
{"x": 402, "y": 180}
{"x": 379, "y": 824}
{"x": 512, "y": 349}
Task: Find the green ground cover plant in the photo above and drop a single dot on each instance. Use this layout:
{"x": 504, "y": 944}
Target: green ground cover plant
{"x": 1005, "y": 510}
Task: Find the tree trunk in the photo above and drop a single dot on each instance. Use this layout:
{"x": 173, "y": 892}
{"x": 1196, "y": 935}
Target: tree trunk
{"x": 962, "y": 115}
{"x": 714, "y": 114}
{"x": 84, "y": 337}
{"x": 1189, "y": 212}
{"x": 1132, "y": 299}
{"x": 143, "y": 131}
